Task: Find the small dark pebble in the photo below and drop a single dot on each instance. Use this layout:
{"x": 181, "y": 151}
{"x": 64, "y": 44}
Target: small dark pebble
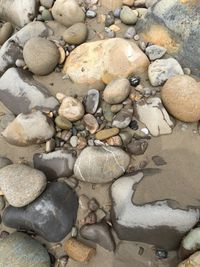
{"x": 93, "y": 205}
{"x": 141, "y": 251}
{"x": 161, "y": 253}
{"x": 52, "y": 258}
{"x": 110, "y": 19}
{"x": 134, "y": 125}
{"x": 159, "y": 161}
{"x": 134, "y": 81}
{"x": 74, "y": 131}
{"x": 4, "y": 234}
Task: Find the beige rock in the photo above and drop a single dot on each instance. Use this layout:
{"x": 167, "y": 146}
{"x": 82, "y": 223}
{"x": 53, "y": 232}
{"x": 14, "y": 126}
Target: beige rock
{"x": 100, "y": 62}
{"x": 128, "y": 2}
{"x": 71, "y": 109}
{"x": 91, "y": 123}
{"x": 76, "y": 34}
{"x": 5, "y": 32}
{"x": 181, "y": 97}
{"x": 117, "y": 91}
{"x": 128, "y": 16}
{"x": 192, "y": 261}
{"x": 114, "y": 141}
{"x": 111, "y": 4}
{"x": 107, "y": 133}
{"x": 67, "y": 12}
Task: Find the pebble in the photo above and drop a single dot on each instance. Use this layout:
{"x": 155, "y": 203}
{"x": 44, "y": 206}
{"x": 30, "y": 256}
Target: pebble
{"x": 50, "y": 145}
{"x": 2, "y": 203}
{"x": 66, "y": 135}
{"x": 162, "y": 69}
{"x": 155, "y": 52}
{"x": 139, "y": 3}
{"x": 47, "y": 3}
{"x": 91, "y": 218}
{"x": 114, "y": 141}
{"x": 108, "y": 115}
{"x": 92, "y": 101}
{"x": 117, "y": 12}
{"x": 91, "y": 14}
{"x": 71, "y": 109}
{"x": 116, "y": 91}
{"x": 128, "y": 2}
{"x": 110, "y": 19}
{"x": 40, "y": 55}
{"x": 126, "y": 137}
{"x": 158, "y": 161}
{"x": 142, "y": 45}
{"x": 134, "y": 81}
{"x": 187, "y": 71}
{"x": 76, "y": 34}
{"x": 161, "y": 253}
{"x": 181, "y": 97}
{"x": 46, "y": 15}
{"x": 14, "y": 183}
{"x": 4, "y": 234}
{"x": 4, "y": 162}
{"x": 130, "y": 33}
{"x": 137, "y": 147}
{"x": 5, "y": 32}
{"x": 100, "y": 234}
{"x": 134, "y": 125}
{"x": 62, "y": 261}
{"x": 20, "y": 63}
{"x": 136, "y": 37}
{"x": 20, "y": 250}
{"x": 93, "y": 205}
{"x": 123, "y": 117}
{"x": 91, "y": 123}
{"x": 128, "y": 16}
{"x": 74, "y": 231}
{"x": 63, "y": 123}
{"x": 83, "y": 202}
{"x": 82, "y": 143}
{"x": 107, "y": 133}
{"x": 73, "y": 141}
{"x": 116, "y": 108}
{"x": 110, "y": 33}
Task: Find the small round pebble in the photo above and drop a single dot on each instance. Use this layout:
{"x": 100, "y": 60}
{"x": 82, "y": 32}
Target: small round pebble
{"x": 134, "y": 81}
{"x": 91, "y": 14}
{"x": 93, "y": 205}
{"x": 74, "y": 141}
{"x": 20, "y": 63}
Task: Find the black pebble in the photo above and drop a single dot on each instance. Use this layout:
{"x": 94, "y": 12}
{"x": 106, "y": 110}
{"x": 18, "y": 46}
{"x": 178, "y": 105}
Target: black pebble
{"x": 134, "y": 81}
{"x": 161, "y": 253}
{"x": 134, "y": 125}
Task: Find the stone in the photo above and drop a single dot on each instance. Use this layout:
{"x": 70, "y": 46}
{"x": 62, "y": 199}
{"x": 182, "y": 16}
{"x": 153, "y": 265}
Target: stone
{"x": 106, "y": 133}
{"x": 91, "y": 14}
{"x": 12, "y": 49}
{"x": 47, "y": 3}
{"x": 15, "y": 181}
{"x": 5, "y": 32}
{"x": 116, "y": 91}
{"x": 41, "y": 55}
{"x": 130, "y": 33}
{"x": 100, "y": 234}
{"x": 67, "y": 12}
{"x": 91, "y": 123}
{"x": 150, "y": 3}
{"x": 155, "y": 52}
{"x": 123, "y": 117}
{"x": 56, "y": 164}
{"x": 50, "y": 145}
{"x": 149, "y": 222}
{"x": 181, "y": 97}
{"x": 52, "y": 215}
{"x": 101, "y": 164}
{"x": 152, "y": 113}
{"x": 22, "y": 93}
{"x": 63, "y": 123}
{"x": 116, "y": 108}
{"x": 20, "y": 63}
{"x": 117, "y": 12}
{"x": 114, "y": 141}
{"x": 128, "y": 16}
{"x": 71, "y": 109}
{"x": 174, "y": 25}
{"x": 73, "y": 141}
{"x": 192, "y": 261}
{"x": 4, "y": 162}
{"x": 76, "y": 34}
{"x": 110, "y": 19}
{"x": 162, "y": 69}
{"x": 19, "y": 249}
{"x": 137, "y": 147}
{"x": 91, "y": 218}
{"x": 111, "y": 4}
{"x": 24, "y": 12}
{"x": 128, "y": 2}
{"x": 78, "y": 251}
{"x": 93, "y": 205}
{"x": 92, "y": 101}
{"x": 23, "y": 131}
{"x": 46, "y": 15}
{"x": 99, "y": 62}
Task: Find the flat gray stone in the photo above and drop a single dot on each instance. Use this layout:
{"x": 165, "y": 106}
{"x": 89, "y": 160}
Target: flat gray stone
{"x": 155, "y": 52}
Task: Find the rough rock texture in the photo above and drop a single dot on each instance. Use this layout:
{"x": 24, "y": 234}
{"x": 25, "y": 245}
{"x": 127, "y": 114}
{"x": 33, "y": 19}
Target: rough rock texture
{"x": 12, "y": 49}
{"x": 152, "y": 113}
{"x": 67, "y": 12}
{"x": 21, "y": 184}
{"x": 22, "y": 93}
{"x": 181, "y": 97}
{"x": 23, "y": 131}
{"x": 52, "y": 215}
{"x": 19, "y": 13}
{"x": 101, "y": 164}
{"x": 100, "y": 62}
{"x": 20, "y": 250}
{"x": 56, "y": 164}
{"x": 192, "y": 261}
{"x": 174, "y": 24}
{"x": 157, "y": 223}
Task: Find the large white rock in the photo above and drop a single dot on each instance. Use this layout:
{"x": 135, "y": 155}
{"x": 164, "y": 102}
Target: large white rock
{"x": 101, "y": 62}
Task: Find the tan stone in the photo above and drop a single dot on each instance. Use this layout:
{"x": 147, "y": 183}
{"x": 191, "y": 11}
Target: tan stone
{"x": 107, "y": 133}
{"x": 128, "y": 2}
{"x": 100, "y": 62}
{"x": 181, "y": 97}
{"x": 192, "y": 261}
{"x": 91, "y": 123}
{"x": 111, "y": 4}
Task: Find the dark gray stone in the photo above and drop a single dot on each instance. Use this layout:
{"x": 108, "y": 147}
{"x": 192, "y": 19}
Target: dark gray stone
{"x": 51, "y": 216}
{"x": 137, "y": 147}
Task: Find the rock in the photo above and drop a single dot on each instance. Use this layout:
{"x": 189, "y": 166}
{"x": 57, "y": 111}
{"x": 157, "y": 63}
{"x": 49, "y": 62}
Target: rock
{"x": 20, "y": 63}
{"x": 91, "y": 123}
{"x": 110, "y": 19}
{"x": 100, "y": 234}
{"x": 19, "y": 249}
{"x": 107, "y": 113}
{"x": 130, "y": 33}
{"x": 149, "y": 222}
{"x": 152, "y": 113}
{"x": 117, "y": 91}
{"x": 23, "y": 131}
{"x": 15, "y": 181}
{"x": 51, "y": 215}
{"x": 12, "y": 49}
{"x": 114, "y": 141}
{"x": 63, "y": 123}
{"x": 93, "y": 205}
{"x": 137, "y": 147}
{"x": 150, "y": 3}
{"x": 71, "y": 109}
{"x": 128, "y": 16}
{"x": 41, "y": 55}
{"x": 5, "y": 32}
{"x": 50, "y": 145}
{"x": 101, "y": 164}
{"x": 47, "y": 3}
{"x": 76, "y": 34}
{"x": 155, "y": 52}
{"x": 78, "y": 251}
{"x": 106, "y": 133}
{"x": 192, "y": 261}
{"x": 111, "y": 4}
{"x": 24, "y": 12}
{"x": 174, "y": 25}
{"x": 123, "y": 117}
{"x": 162, "y": 69}
{"x": 128, "y": 2}
{"x": 190, "y": 243}
{"x": 91, "y": 218}
{"x": 46, "y": 15}
{"x": 181, "y": 97}
{"x": 73, "y": 141}
{"x": 117, "y": 12}
{"x": 67, "y": 12}
{"x": 91, "y": 14}
{"x": 116, "y": 108}
{"x": 23, "y": 93}
{"x": 99, "y": 62}
{"x": 4, "y": 162}
{"x": 92, "y": 101}
{"x": 56, "y": 164}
